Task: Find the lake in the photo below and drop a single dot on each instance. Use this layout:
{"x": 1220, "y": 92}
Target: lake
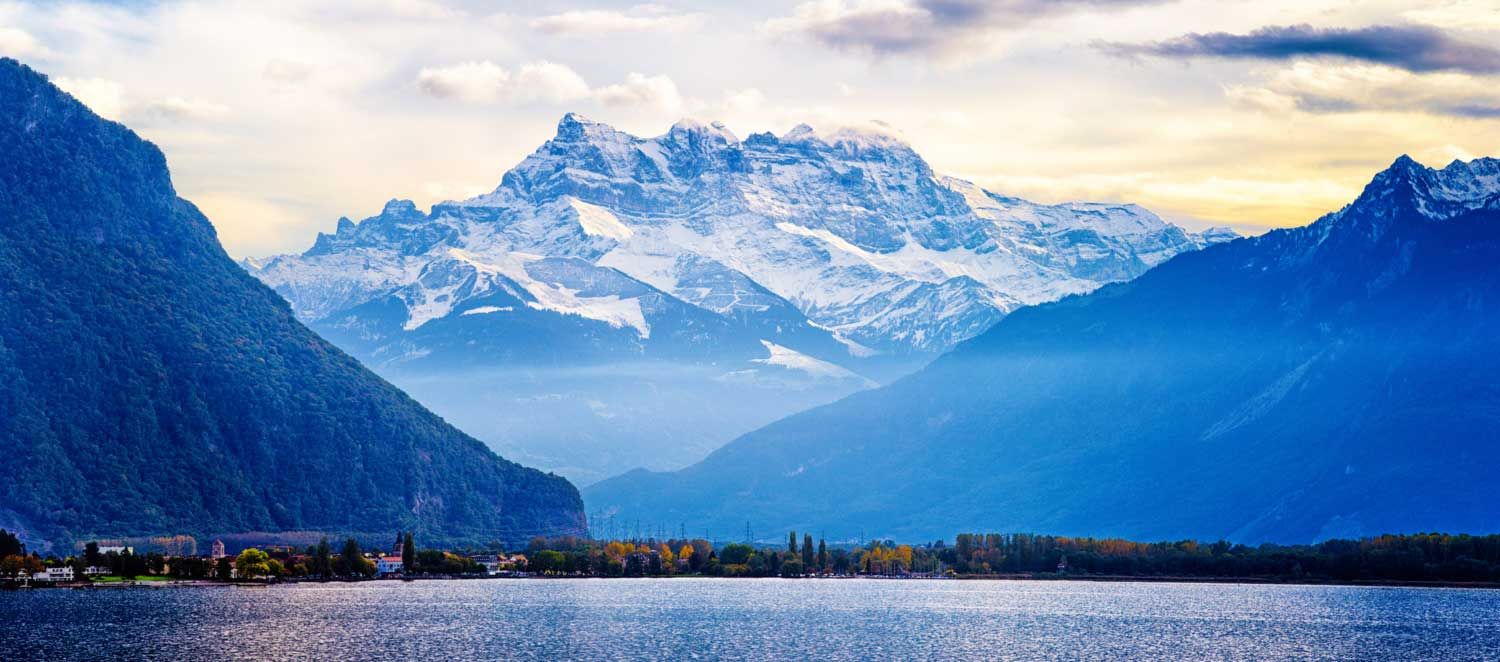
{"x": 804, "y": 620}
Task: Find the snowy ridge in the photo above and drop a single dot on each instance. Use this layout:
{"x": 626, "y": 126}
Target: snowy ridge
{"x": 848, "y": 236}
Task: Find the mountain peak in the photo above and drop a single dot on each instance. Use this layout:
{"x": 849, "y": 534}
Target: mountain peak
{"x": 800, "y": 133}
{"x": 857, "y": 137}
{"x": 1432, "y": 193}
{"x": 1406, "y": 162}
{"x": 689, "y": 126}
{"x": 570, "y": 119}
{"x": 399, "y": 207}
{"x": 574, "y": 127}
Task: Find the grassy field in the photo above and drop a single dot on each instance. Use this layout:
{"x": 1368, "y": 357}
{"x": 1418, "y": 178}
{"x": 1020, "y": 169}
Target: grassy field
{"x": 142, "y": 578}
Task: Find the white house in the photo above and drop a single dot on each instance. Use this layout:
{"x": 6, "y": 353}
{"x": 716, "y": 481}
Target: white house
{"x": 63, "y": 574}
{"x": 388, "y": 565}
{"x": 95, "y": 570}
{"x": 496, "y": 564}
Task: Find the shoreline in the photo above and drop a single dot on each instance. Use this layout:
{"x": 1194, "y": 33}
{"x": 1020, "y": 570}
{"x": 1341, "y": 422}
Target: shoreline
{"x": 1263, "y": 581}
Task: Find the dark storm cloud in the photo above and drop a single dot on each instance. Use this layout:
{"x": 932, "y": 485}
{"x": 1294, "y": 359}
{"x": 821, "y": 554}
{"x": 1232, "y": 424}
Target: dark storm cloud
{"x": 1413, "y": 48}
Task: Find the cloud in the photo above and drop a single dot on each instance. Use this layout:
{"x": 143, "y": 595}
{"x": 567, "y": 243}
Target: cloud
{"x": 286, "y": 71}
{"x": 105, "y": 97}
{"x": 659, "y": 92}
{"x": 178, "y": 108}
{"x": 422, "y": 9}
{"x": 1409, "y": 47}
{"x": 487, "y": 82}
{"x": 417, "y": 10}
{"x": 16, "y": 42}
{"x": 900, "y": 27}
{"x": 644, "y": 18}
{"x": 108, "y": 99}
{"x": 1461, "y": 14}
{"x": 747, "y": 100}
{"x": 1315, "y": 88}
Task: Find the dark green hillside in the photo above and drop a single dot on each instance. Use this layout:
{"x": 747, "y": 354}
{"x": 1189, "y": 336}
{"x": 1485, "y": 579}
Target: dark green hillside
{"x": 148, "y": 385}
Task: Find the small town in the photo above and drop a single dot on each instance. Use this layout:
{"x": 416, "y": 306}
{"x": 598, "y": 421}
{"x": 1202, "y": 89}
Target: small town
{"x": 1422, "y": 559}
{"x": 175, "y": 560}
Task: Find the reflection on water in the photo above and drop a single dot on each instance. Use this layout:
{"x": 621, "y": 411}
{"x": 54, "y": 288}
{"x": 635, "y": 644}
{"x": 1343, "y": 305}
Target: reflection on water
{"x": 751, "y": 619}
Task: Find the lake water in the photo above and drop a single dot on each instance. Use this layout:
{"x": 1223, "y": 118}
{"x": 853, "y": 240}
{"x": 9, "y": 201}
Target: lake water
{"x": 804, "y": 620}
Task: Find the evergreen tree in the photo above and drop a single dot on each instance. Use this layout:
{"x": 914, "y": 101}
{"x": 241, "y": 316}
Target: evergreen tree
{"x": 352, "y": 558}
{"x": 791, "y": 542}
{"x": 323, "y": 559}
{"x": 409, "y": 554}
{"x": 10, "y": 544}
{"x": 822, "y": 554}
{"x": 807, "y": 551}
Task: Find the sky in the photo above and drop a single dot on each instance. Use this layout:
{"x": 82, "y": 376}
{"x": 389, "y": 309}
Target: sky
{"x": 278, "y": 117}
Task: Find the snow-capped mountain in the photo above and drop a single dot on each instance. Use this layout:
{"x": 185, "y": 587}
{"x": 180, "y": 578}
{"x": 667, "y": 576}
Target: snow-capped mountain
{"x": 810, "y": 257}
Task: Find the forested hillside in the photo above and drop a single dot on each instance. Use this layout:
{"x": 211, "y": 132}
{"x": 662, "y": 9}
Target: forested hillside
{"x": 149, "y": 386}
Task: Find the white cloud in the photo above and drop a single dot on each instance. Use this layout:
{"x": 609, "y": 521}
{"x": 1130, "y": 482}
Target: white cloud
{"x": 108, "y": 99}
{"x": 1458, "y": 14}
{"x": 747, "y": 100}
{"x": 16, "y": 42}
{"x": 645, "y": 18}
{"x": 282, "y": 70}
{"x": 419, "y": 9}
{"x": 487, "y": 82}
{"x": 105, "y": 97}
{"x": 469, "y": 81}
{"x": 1332, "y": 88}
{"x": 178, "y": 108}
{"x": 658, "y": 92}
{"x": 549, "y": 81}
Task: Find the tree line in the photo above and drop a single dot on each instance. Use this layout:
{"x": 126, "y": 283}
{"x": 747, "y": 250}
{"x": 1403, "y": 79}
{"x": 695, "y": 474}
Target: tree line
{"x": 1432, "y": 557}
{"x": 575, "y": 556}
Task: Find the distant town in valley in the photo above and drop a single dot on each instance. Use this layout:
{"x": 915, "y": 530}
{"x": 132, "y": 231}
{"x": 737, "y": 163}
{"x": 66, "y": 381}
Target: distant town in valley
{"x": 1439, "y": 559}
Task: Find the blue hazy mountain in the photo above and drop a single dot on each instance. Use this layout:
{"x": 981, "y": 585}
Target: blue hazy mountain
{"x": 1336, "y": 379}
{"x": 620, "y": 301}
{"x": 148, "y": 385}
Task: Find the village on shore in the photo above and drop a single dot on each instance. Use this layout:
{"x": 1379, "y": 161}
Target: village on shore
{"x": 1416, "y": 559}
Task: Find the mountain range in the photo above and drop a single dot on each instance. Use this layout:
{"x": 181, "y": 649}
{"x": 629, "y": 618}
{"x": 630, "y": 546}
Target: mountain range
{"x": 149, "y": 386}
{"x": 620, "y": 301}
{"x": 1332, "y": 380}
